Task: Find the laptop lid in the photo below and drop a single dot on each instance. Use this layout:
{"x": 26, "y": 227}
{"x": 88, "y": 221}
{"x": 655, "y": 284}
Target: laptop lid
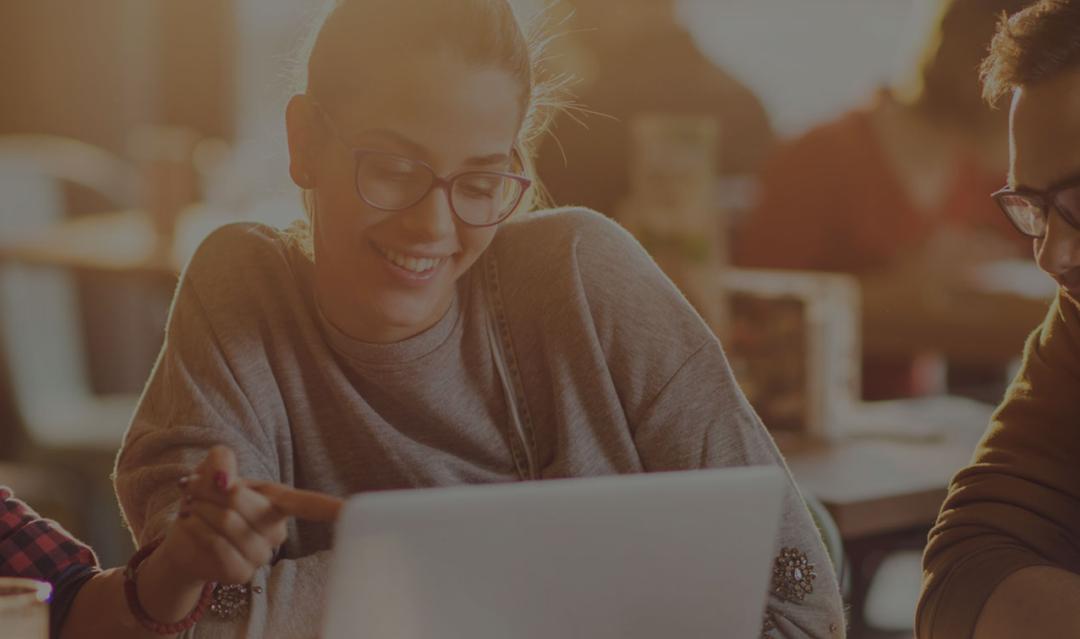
{"x": 677, "y": 555}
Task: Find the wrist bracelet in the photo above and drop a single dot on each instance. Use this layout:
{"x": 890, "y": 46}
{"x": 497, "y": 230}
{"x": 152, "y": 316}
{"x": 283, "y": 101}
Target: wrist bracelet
{"x": 131, "y": 593}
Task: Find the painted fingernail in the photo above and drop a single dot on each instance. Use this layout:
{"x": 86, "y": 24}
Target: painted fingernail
{"x": 189, "y": 499}
{"x": 184, "y": 514}
{"x": 183, "y": 482}
{"x": 221, "y": 480}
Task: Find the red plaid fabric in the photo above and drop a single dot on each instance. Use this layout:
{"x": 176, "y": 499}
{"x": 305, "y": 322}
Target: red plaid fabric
{"x": 33, "y": 547}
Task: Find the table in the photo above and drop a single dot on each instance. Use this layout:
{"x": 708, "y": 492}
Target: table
{"x": 126, "y": 277}
{"x": 982, "y": 323}
{"x": 126, "y": 242}
{"x": 884, "y": 487}
{"x": 874, "y": 487}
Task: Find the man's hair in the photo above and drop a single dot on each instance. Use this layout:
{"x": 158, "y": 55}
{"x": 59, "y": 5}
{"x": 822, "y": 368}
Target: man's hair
{"x": 1035, "y": 44}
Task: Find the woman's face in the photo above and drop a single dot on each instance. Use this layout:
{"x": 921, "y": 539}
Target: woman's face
{"x": 384, "y": 276}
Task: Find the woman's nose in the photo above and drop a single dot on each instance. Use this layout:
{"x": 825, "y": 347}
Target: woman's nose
{"x": 432, "y": 217}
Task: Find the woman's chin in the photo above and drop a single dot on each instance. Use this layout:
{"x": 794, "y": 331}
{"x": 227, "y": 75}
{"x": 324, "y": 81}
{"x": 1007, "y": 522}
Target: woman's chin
{"x": 401, "y": 319}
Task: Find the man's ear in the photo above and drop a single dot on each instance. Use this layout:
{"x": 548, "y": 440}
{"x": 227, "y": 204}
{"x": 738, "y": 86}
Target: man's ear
{"x": 300, "y": 123}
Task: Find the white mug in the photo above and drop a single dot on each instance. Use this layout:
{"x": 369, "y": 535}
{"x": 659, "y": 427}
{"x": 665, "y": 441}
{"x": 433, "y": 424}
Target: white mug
{"x": 24, "y": 608}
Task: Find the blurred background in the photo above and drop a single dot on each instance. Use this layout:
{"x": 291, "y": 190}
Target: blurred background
{"x": 814, "y": 175}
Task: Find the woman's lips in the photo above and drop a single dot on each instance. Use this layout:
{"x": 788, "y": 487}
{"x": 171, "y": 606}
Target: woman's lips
{"x": 410, "y": 268}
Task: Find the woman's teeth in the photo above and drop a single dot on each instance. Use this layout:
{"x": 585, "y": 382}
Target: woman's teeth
{"x": 414, "y": 264}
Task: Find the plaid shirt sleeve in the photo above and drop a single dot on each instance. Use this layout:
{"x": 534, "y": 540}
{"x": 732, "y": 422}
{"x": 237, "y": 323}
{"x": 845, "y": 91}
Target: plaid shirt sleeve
{"x": 36, "y": 548}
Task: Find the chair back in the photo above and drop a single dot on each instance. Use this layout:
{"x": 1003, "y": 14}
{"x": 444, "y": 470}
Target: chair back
{"x": 41, "y": 329}
{"x": 12, "y": 430}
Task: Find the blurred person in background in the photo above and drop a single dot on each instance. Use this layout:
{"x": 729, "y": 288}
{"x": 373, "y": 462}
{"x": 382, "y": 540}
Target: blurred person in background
{"x": 1004, "y": 557}
{"x": 174, "y": 578}
{"x": 632, "y": 57}
{"x": 403, "y": 336}
{"x": 893, "y": 191}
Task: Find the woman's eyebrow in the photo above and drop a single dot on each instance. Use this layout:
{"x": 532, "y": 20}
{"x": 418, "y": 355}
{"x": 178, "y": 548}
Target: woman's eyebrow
{"x": 393, "y": 136}
{"x": 414, "y": 147}
{"x": 492, "y": 159}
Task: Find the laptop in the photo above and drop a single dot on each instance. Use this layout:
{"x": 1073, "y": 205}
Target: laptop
{"x": 664, "y": 555}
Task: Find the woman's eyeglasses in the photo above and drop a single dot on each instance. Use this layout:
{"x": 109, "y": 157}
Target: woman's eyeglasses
{"x": 1029, "y": 209}
{"x": 391, "y": 182}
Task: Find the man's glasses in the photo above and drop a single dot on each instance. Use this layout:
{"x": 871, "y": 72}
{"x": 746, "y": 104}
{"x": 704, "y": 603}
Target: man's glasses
{"x": 391, "y": 182}
{"x": 1029, "y": 210}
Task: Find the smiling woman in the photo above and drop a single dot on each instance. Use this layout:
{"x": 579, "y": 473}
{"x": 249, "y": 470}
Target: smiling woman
{"x": 407, "y": 336}
{"x": 368, "y": 258}
{"x": 471, "y": 102}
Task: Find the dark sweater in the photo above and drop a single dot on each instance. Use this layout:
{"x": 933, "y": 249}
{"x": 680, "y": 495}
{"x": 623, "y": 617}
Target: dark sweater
{"x": 1018, "y": 503}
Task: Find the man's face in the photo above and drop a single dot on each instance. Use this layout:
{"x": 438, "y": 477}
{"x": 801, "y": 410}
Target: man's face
{"x": 1044, "y": 151}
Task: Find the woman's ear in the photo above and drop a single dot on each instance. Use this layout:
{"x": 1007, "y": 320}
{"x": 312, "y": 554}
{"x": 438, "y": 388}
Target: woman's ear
{"x": 303, "y": 140}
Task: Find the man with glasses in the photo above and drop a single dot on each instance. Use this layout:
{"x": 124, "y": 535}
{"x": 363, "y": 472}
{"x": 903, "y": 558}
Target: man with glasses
{"x": 1004, "y": 557}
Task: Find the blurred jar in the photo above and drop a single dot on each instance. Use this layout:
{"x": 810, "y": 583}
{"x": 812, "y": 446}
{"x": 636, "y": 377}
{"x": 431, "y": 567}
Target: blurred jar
{"x": 169, "y": 183}
{"x": 24, "y": 608}
{"x": 671, "y": 207}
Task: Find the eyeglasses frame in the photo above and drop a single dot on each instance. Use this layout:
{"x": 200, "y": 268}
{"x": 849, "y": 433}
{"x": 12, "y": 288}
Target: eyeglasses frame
{"x": 444, "y": 183}
{"x": 1044, "y": 199}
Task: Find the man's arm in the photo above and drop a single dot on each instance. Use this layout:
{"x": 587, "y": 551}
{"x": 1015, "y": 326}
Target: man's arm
{"x": 1039, "y": 601}
{"x": 1014, "y": 513}
{"x": 35, "y": 548}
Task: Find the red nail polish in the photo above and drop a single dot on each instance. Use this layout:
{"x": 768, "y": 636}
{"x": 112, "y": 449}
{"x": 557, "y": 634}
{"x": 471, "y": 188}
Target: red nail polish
{"x": 183, "y": 482}
{"x": 184, "y": 514}
{"x": 189, "y": 499}
{"x": 221, "y": 480}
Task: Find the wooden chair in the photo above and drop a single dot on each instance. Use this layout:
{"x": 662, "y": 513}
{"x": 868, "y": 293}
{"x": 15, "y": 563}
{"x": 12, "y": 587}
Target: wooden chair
{"x": 58, "y": 422}
{"x": 73, "y": 162}
{"x": 40, "y": 321}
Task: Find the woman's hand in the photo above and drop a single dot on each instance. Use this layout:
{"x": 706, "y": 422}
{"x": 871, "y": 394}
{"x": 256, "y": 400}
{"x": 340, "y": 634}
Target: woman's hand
{"x": 230, "y": 527}
{"x": 230, "y": 530}
{"x": 226, "y": 530}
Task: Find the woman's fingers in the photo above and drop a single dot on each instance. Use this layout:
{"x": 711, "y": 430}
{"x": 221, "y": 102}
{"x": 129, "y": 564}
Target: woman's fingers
{"x": 259, "y": 512}
{"x": 213, "y": 476}
{"x": 209, "y": 555}
{"x": 236, "y": 525}
{"x": 230, "y": 526}
{"x": 302, "y": 504}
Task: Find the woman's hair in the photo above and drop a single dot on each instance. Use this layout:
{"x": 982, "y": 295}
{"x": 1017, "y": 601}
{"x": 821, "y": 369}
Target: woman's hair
{"x": 1033, "y": 45}
{"x": 355, "y": 41}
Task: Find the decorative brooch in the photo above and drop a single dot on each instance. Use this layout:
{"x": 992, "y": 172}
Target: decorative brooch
{"x": 232, "y": 600}
{"x": 767, "y": 626}
{"x": 793, "y": 575}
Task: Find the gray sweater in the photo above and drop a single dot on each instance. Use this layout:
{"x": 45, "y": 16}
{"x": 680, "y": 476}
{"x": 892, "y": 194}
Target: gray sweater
{"x": 610, "y": 368}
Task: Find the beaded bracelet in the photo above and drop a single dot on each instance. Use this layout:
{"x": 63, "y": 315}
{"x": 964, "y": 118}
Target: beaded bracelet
{"x": 131, "y": 593}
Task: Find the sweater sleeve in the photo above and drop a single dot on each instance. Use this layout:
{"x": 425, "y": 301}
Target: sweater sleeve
{"x": 701, "y": 419}
{"x": 196, "y": 398}
{"x": 685, "y": 410}
{"x": 1018, "y": 503}
{"x": 193, "y": 401}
